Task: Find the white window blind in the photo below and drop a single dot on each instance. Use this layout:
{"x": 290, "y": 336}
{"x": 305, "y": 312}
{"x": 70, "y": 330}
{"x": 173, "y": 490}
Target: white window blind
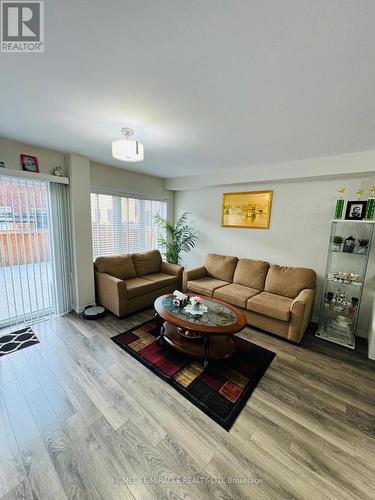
{"x": 122, "y": 224}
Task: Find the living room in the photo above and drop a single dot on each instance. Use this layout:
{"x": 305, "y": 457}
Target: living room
{"x": 186, "y": 250}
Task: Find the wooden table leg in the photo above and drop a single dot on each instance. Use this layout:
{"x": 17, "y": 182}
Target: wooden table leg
{"x": 206, "y": 342}
{"x": 160, "y": 321}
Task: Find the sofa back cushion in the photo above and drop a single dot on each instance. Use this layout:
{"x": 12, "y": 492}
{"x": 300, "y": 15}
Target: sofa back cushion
{"x": 289, "y": 281}
{"x": 147, "y": 262}
{"x": 251, "y": 273}
{"x": 220, "y": 267}
{"x": 119, "y": 266}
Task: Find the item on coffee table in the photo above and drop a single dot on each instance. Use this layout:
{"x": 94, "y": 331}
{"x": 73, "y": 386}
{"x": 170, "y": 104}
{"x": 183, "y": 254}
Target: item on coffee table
{"x": 196, "y": 302}
{"x": 188, "y": 333}
{"x": 179, "y": 299}
{"x": 195, "y": 307}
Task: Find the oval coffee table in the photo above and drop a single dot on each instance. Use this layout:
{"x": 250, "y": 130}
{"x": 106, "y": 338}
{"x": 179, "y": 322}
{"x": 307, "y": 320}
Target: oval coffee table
{"x": 207, "y": 337}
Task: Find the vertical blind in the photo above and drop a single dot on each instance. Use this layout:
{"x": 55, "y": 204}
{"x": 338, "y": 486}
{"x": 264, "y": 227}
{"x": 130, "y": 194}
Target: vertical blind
{"x": 26, "y": 271}
{"x": 123, "y": 224}
{"x": 60, "y": 222}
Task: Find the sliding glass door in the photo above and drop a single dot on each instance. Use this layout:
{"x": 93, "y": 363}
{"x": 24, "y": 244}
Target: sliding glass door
{"x": 27, "y": 284}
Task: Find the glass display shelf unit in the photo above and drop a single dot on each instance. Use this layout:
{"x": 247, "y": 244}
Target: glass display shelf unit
{"x": 347, "y": 259}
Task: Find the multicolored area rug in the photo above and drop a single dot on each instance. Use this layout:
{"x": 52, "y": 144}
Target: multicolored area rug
{"x": 220, "y": 390}
{"x": 15, "y": 341}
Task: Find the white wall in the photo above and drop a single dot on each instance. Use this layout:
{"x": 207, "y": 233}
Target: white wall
{"x": 345, "y": 165}
{"x": 299, "y": 231}
{"x": 78, "y": 168}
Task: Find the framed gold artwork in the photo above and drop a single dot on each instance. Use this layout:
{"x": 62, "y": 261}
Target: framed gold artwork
{"x": 250, "y": 210}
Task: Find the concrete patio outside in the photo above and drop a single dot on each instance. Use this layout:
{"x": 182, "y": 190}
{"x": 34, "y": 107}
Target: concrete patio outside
{"x": 26, "y": 292}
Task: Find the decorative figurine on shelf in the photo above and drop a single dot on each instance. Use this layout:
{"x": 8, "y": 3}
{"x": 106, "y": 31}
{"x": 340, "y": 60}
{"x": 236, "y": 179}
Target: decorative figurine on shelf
{"x": 340, "y": 301}
{"x": 340, "y": 203}
{"x": 363, "y": 246}
{"x": 359, "y": 193}
{"x": 353, "y": 306}
{"x": 349, "y": 245}
{"x": 328, "y": 299}
{"x": 57, "y": 171}
{"x": 370, "y": 208}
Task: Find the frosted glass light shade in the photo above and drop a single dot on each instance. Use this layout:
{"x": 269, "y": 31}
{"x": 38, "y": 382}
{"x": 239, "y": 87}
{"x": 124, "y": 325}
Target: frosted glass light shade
{"x": 127, "y": 150}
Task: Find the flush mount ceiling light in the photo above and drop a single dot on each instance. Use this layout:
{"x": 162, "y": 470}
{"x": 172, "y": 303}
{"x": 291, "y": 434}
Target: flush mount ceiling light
{"x": 127, "y": 150}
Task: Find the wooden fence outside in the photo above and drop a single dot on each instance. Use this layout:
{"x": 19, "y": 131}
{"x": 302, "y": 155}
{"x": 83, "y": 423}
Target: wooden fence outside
{"x": 17, "y": 248}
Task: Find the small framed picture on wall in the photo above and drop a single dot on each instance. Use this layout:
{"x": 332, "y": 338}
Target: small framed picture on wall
{"x": 355, "y": 210}
{"x": 29, "y": 163}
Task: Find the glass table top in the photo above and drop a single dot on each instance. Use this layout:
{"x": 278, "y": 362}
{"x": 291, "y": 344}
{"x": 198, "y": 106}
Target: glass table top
{"x": 217, "y": 314}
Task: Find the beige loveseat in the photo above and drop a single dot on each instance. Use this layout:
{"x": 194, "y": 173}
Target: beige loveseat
{"x": 128, "y": 283}
{"x": 273, "y": 298}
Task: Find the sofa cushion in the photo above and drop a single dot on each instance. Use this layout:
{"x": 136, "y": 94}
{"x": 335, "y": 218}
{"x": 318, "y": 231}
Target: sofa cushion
{"x": 205, "y": 286}
{"x": 140, "y": 286}
{"x": 220, "y": 267}
{"x": 119, "y": 266}
{"x": 251, "y": 273}
{"x": 238, "y": 295}
{"x": 147, "y": 262}
{"x": 275, "y": 306}
{"x": 162, "y": 279}
{"x": 289, "y": 281}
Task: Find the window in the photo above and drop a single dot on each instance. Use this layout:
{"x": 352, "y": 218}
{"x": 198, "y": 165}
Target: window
{"x": 124, "y": 225}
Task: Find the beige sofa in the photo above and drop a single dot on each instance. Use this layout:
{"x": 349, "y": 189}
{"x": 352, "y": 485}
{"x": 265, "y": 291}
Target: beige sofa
{"x": 273, "y": 298}
{"x": 128, "y": 283}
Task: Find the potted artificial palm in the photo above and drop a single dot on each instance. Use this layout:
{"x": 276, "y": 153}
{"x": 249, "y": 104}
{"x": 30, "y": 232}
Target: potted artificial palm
{"x": 181, "y": 237}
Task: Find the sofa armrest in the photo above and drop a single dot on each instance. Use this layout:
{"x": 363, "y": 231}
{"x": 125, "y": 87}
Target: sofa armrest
{"x": 193, "y": 274}
{"x": 111, "y": 293}
{"x": 301, "y": 311}
{"x": 172, "y": 269}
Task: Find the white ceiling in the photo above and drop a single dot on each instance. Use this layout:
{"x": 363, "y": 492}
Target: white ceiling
{"x": 207, "y": 84}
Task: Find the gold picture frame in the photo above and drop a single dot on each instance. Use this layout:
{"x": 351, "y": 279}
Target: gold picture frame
{"x": 251, "y": 209}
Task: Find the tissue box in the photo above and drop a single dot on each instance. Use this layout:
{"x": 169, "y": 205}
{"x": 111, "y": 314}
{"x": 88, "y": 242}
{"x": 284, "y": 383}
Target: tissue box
{"x": 179, "y": 299}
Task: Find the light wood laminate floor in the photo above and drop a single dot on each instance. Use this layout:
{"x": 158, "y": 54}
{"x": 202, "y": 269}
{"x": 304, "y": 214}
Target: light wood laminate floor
{"x": 81, "y": 419}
